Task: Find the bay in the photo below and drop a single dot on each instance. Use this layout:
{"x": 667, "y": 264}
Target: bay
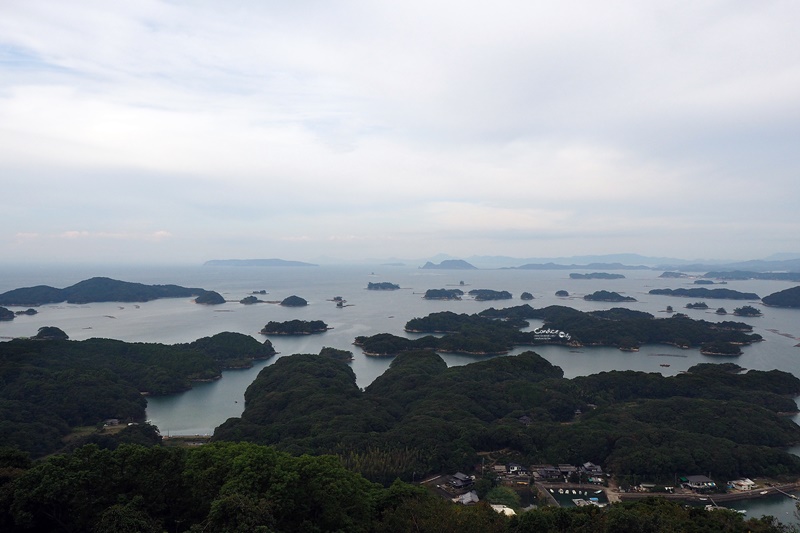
{"x": 207, "y": 405}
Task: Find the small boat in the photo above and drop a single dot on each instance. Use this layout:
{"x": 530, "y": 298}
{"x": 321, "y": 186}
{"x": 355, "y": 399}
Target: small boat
{"x": 598, "y": 491}
{"x": 573, "y": 491}
{"x": 561, "y": 491}
{"x": 764, "y": 492}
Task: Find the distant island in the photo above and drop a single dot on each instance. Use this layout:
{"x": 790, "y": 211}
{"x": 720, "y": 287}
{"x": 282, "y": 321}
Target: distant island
{"x": 608, "y": 296}
{"x": 697, "y": 305}
{"x": 97, "y": 289}
{"x": 749, "y": 274}
{"x": 6, "y": 314}
{"x": 294, "y": 327}
{"x": 596, "y": 275}
{"x": 443, "y": 294}
{"x": 562, "y": 294}
{"x": 256, "y": 263}
{"x": 483, "y": 295}
{"x": 673, "y": 275}
{"x": 382, "y": 286}
{"x": 703, "y": 282}
{"x": 294, "y": 301}
{"x": 590, "y": 266}
{"x": 784, "y": 298}
{"x": 449, "y": 264}
{"x": 747, "y": 310}
{"x": 250, "y": 300}
{"x": 702, "y": 292}
{"x": 526, "y": 296}
{"x": 210, "y": 298}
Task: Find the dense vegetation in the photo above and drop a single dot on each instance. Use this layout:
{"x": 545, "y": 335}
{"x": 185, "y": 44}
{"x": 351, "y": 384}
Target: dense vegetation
{"x": 50, "y": 386}
{"x": 596, "y": 275}
{"x": 294, "y": 327}
{"x": 421, "y": 417}
{"x": 483, "y": 295}
{"x": 335, "y": 353}
{"x": 227, "y": 487}
{"x": 6, "y": 314}
{"x": 562, "y": 294}
{"x": 95, "y": 290}
{"x": 382, "y": 286}
{"x": 443, "y": 294}
{"x": 250, "y": 300}
{"x": 526, "y": 296}
{"x": 294, "y": 301}
{"x": 697, "y": 305}
{"x": 747, "y": 310}
{"x": 784, "y": 298}
{"x": 209, "y": 298}
{"x": 608, "y": 296}
{"x": 702, "y": 292}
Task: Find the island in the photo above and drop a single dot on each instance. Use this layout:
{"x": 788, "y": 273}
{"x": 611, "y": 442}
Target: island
{"x": 294, "y": 327}
{"x": 6, "y": 314}
{"x": 747, "y": 274}
{"x": 785, "y": 298}
{"x": 98, "y": 289}
{"x": 721, "y": 311}
{"x": 443, "y": 294}
{"x": 382, "y": 286}
{"x": 747, "y": 310}
{"x": 250, "y": 300}
{"x": 30, "y": 312}
{"x": 697, "y": 305}
{"x": 51, "y": 333}
{"x": 608, "y": 296}
{"x": 720, "y": 348}
{"x": 256, "y": 263}
{"x": 210, "y": 298}
{"x": 673, "y": 275}
{"x": 596, "y": 275}
{"x": 483, "y": 295}
{"x": 703, "y": 282}
{"x": 294, "y": 301}
{"x": 337, "y": 354}
{"x": 562, "y": 294}
{"x": 702, "y": 292}
{"x": 449, "y": 264}
{"x": 526, "y": 296}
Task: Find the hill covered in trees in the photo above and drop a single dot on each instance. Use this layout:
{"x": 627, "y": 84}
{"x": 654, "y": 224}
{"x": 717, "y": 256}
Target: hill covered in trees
{"x": 96, "y": 290}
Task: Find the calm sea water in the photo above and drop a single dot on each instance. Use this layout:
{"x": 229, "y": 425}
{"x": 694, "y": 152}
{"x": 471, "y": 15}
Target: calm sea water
{"x": 207, "y": 405}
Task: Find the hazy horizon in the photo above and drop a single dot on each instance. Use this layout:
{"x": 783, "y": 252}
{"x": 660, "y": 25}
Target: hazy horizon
{"x": 178, "y": 132}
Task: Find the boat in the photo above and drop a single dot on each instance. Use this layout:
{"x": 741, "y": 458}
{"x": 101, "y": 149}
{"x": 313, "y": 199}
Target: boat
{"x": 764, "y": 492}
{"x": 561, "y": 491}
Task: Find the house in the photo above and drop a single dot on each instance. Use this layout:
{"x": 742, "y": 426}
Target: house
{"x": 567, "y": 469}
{"x": 592, "y": 469}
{"x": 699, "y": 483}
{"x": 516, "y": 469}
{"x": 545, "y": 472}
{"x": 743, "y": 484}
{"x": 460, "y": 481}
{"x": 467, "y": 498}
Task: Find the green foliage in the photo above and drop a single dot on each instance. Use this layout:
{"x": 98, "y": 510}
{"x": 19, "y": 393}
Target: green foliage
{"x": 335, "y": 353}
{"x": 96, "y": 290}
{"x": 785, "y": 298}
{"x": 294, "y": 327}
{"x": 747, "y": 310}
{"x": 443, "y": 294}
{"x": 51, "y": 333}
{"x": 482, "y": 295}
{"x": 504, "y": 496}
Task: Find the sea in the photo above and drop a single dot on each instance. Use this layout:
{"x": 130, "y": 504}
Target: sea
{"x": 367, "y": 312}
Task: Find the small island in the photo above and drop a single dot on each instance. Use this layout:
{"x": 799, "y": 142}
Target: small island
{"x": 210, "y": 298}
{"x": 526, "y": 296}
{"x": 596, "y": 275}
{"x": 30, "y": 312}
{"x": 250, "y": 300}
{"x": 6, "y": 314}
{"x": 721, "y": 311}
{"x": 382, "y": 286}
{"x": 784, "y": 298}
{"x": 608, "y": 296}
{"x": 673, "y": 275}
{"x": 697, "y": 305}
{"x": 720, "y": 348}
{"x": 703, "y": 282}
{"x": 483, "y": 295}
{"x": 449, "y": 264}
{"x": 294, "y": 301}
{"x": 335, "y": 353}
{"x": 294, "y": 327}
{"x": 747, "y": 310}
{"x": 443, "y": 294}
{"x": 51, "y": 333}
{"x": 562, "y": 294}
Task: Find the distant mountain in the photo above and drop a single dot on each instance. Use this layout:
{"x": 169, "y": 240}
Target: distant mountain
{"x": 256, "y": 262}
{"x": 96, "y": 290}
{"x": 755, "y": 265}
{"x": 590, "y": 266}
{"x": 450, "y": 264}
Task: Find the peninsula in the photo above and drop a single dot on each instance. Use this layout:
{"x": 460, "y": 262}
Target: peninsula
{"x": 784, "y": 298}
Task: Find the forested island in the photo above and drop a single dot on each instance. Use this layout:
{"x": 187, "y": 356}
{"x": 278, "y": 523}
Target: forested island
{"x": 443, "y": 294}
{"x": 697, "y": 305}
{"x": 784, "y": 298}
{"x": 484, "y": 334}
{"x": 596, "y": 275}
{"x": 449, "y": 264}
{"x": 702, "y": 292}
{"x": 97, "y": 289}
{"x": 294, "y": 327}
{"x": 382, "y": 286}
{"x": 51, "y": 386}
{"x": 608, "y": 296}
{"x": 294, "y": 301}
{"x": 210, "y": 298}
{"x": 483, "y": 295}
{"x": 747, "y": 310}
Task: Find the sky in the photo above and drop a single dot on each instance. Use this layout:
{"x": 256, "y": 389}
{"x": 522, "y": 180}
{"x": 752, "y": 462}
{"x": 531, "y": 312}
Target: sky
{"x": 173, "y": 131}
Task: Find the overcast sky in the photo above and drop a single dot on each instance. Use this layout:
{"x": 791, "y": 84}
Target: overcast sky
{"x": 178, "y": 131}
